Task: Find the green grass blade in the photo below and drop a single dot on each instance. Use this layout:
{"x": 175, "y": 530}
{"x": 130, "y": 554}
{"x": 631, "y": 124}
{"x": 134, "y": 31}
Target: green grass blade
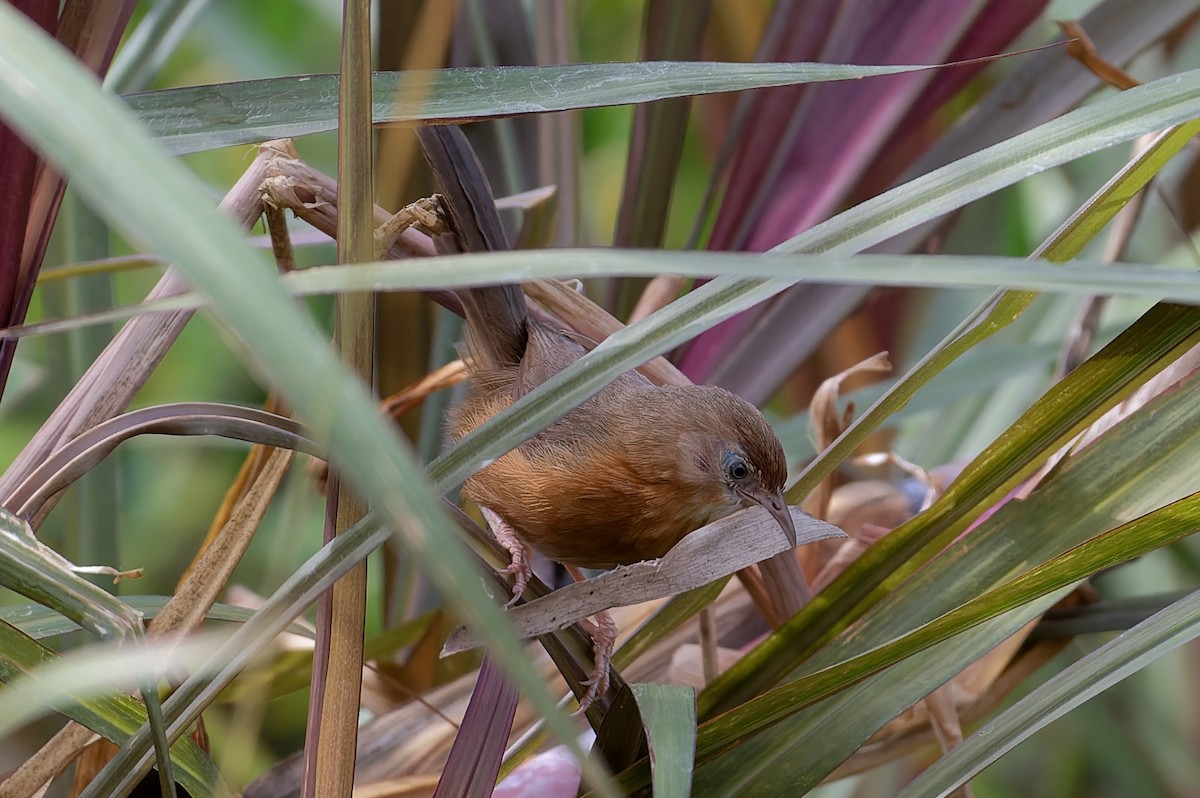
{"x": 35, "y": 571}
{"x": 199, "y": 118}
{"x": 1146, "y": 461}
{"x": 669, "y": 717}
{"x": 929, "y": 271}
{"x": 40, "y": 622}
{"x": 1138, "y": 537}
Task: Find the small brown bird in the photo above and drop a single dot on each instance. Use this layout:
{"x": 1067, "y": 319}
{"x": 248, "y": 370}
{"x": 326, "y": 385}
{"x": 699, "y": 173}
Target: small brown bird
{"x": 622, "y": 477}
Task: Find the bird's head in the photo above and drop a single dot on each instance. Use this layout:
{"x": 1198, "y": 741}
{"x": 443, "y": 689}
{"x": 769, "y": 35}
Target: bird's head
{"x": 737, "y": 456}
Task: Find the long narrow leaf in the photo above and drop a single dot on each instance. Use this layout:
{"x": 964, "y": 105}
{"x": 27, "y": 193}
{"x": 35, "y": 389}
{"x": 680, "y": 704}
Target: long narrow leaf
{"x": 40, "y": 622}
{"x": 222, "y": 115}
{"x": 669, "y": 716}
{"x": 931, "y": 271}
{"x": 1138, "y": 537}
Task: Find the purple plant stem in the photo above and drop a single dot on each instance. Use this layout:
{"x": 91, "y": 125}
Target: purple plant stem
{"x": 475, "y": 756}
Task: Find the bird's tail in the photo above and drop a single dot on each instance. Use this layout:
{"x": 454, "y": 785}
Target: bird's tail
{"x": 496, "y": 315}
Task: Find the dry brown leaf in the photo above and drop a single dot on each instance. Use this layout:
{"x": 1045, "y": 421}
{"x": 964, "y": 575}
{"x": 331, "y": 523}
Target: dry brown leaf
{"x": 825, "y": 422}
{"x": 658, "y": 293}
{"x": 1081, "y": 48}
{"x": 251, "y": 467}
{"x": 91, "y": 761}
{"x": 700, "y": 558}
{"x": 825, "y": 425}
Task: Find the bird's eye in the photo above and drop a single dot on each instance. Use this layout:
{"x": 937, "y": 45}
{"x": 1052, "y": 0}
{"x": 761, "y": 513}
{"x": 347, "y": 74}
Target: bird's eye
{"x": 735, "y": 467}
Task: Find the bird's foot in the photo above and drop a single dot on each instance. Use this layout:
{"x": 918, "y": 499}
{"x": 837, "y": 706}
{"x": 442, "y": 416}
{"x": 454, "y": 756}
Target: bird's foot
{"x": 519, "y": 568}
{"x": 506, "y": 536}
{"x": 604, "y": 636}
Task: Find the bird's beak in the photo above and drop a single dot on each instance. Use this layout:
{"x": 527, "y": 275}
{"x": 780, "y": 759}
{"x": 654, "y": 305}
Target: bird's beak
{"x": 777, "y": 506}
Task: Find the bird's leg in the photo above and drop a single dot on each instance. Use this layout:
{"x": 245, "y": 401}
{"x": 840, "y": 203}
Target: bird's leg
{"x": 604, "y": 637}
{"x": 506, "y": 536}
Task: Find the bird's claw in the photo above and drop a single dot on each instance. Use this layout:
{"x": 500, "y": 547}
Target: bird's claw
{"x": 596, "y": 687}
{"x": 604, "y": 638}
{"x": 519, "y": 568}
{"x": 506, "y": 536}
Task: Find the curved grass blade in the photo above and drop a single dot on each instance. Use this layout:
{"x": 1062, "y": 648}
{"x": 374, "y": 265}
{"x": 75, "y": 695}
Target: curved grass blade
{"x": 38, "y": 572}
{"x": 1129, "y": 541}
{"x": 74, "y": 459}
{"x": 40, "y": 622}
{"x": 197, "y": 118}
